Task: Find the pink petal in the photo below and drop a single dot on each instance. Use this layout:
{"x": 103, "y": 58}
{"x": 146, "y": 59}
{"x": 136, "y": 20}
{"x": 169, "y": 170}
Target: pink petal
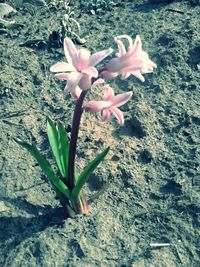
{"x": 105, "y": 115}
{"x": 98, "y": 81}
{"x": 96, "y": 106}
{"x": 76, "y": 92}
{"x": 136, "y": 48}
{"x": 92, "y": 71}
{"x": 73, "y": 80}
{"x": 125, "y": 75}
{"x": 132, "y": 67}
{"x": 148, "y": 65}
{"x": 85, "y": 82}
{"x": 62, "y": 76}
{"x": 118, "y": 114}
{"x": 70, "y": 51}
{"x": 99, "y": 56}
{"x": 121, "y": 99}
{"x": 62, "y": 67}
{"x": 82, "y": 60}
{"x": 137, "y": 44}
{"x": 108, "y": 93}
{"x": 121, "y": 47}
{"x": 138, "y": 74}
{"x": 108, "y": 75}
{"x": 153, "y": 64}
{"x": 114, "y": 65}
{"x": 126, "y": 61}
{"x": 127, "y": 37}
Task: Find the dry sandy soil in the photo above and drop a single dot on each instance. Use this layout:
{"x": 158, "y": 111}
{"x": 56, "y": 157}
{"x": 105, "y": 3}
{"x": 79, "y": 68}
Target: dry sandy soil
{"x": 149, "y": 182}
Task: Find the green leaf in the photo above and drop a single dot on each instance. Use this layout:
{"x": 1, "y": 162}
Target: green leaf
{"x": 63, "y": 141}
{"x": 82, "y": 179}
{"x": 46, "y": 167}
{"x": 55, "y": 144}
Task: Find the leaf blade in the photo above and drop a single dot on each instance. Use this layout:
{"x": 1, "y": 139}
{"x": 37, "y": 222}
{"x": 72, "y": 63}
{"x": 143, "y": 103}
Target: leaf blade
{"x": 46, "y": 167}
{"x": 82, "y": 179}
{"x": 64, "y": 148}
{"x": 54, "y": 143}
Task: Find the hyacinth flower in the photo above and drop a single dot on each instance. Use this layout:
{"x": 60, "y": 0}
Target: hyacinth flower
{"x": 80, "y": 67}
{"x": 81, "y": 75}
{"x": 132, "y": 62}
{"x": 77, "y": 90}
{"x": 110, "y": 103}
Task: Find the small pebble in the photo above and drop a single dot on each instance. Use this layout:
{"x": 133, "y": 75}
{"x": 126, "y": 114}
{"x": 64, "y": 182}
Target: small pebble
{"x": 6, "y": 9}
{"x": 3, "y": 206}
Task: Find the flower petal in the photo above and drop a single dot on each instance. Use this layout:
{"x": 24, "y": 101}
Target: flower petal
{"x": 70, "y": 51}
{"x": 99, "y": 56}
{"x": 73, "y": 80}
{"x": 108, "y": 93}
{"x": 115, "y": 65}
{"x": 92, "y": 71}
{"x": 148, "y": 64}
{"x": 121, "y": 99}
{"x": 125, "y": 36}
{"x": 62, "y": 76}
{"x": 85, "y": 82}
{"x": 118, "y": 114}
{"x": 136, "y": 48}
{"x": 65, "y": 91}
{"x": 98, "y": 81}
{"x": 125, "y": 62}
{"x": 108, "y": 75}
{"x": 96, "y": 106}
{"x": 125, "y": 75}
{"x": 105, "y": 115}
{"x": 137, "y": 44}
{"x": 121, "y": 47}
{"x": 76, "y": 92}
{"x": 82, "y": 60}
{"x": 62, "y": 67}
{"x": 137, "y": 73}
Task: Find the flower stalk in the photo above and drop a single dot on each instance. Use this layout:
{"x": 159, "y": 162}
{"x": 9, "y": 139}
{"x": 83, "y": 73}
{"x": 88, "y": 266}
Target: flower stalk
{"x": 73, "y": 140}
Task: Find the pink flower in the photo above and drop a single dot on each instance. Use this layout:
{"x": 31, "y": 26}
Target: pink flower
{"x": 110, "y": 103}
{"x": 134, "y": 61}
{"x": 79, "y": 69}
{"x": 77, "y": 91}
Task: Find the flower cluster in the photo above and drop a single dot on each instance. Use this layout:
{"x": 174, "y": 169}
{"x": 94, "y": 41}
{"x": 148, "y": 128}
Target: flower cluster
{"x": 81, "y": 74}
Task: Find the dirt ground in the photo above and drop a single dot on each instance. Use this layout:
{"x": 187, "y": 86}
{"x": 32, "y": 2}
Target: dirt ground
{"x": 148, "y": 211}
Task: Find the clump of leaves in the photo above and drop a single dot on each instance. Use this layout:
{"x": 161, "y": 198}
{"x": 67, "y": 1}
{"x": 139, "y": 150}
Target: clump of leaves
{"x": 97, "y": 6}
{"x": 70, "y": 26}
{"x": 71, "y": 196}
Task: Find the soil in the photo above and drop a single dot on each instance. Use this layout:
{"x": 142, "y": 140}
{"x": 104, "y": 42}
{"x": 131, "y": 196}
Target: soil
{"x": 148, "y": 210}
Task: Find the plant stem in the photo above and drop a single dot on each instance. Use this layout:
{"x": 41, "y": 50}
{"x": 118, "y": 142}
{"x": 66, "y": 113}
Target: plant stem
{"x": 73, "y": 141}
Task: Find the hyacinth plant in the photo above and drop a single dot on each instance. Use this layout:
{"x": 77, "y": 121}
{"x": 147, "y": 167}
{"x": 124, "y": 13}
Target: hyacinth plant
{"x": 81, "y": 75}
